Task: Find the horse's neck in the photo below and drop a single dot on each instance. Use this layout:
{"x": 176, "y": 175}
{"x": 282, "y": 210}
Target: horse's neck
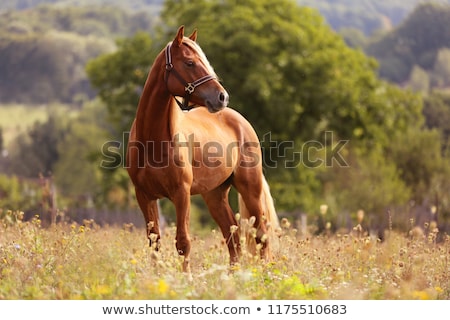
{"x": 157, "y": 113}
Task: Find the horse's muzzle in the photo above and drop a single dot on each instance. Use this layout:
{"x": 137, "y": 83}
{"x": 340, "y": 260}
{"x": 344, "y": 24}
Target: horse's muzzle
{"x": 218, "y": 103}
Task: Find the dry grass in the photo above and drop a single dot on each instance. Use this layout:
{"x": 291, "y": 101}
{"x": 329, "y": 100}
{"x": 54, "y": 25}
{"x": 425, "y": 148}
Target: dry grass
{"x": 92, "y": 262}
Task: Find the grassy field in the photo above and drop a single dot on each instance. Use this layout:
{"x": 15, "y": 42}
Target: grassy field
{"x": 71, "y": 261}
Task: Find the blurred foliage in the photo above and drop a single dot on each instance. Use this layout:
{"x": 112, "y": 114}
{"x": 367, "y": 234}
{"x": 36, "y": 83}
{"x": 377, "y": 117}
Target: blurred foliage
{"x": 44, "y": 51}
{"x": 368, "y": 16}
{"x": 77, "y": 171}
{"x": 437, "y": 115}
{"x": 136, "y": 5}
{"x": 66, "y": 146}
{"x": 119, "y": 77}
{"x": 36, "y": 152}
{"x": 372, "y": 182}
{"x": 421, "y": 41}
{"x": 16, "y": 193}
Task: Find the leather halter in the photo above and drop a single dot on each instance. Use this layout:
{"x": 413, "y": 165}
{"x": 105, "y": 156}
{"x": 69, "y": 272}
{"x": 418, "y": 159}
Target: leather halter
{"x": 189, "y": 87}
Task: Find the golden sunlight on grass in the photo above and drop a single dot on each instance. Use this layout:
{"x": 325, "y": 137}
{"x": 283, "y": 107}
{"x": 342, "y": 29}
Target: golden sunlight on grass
{"x": 70, "y": 261}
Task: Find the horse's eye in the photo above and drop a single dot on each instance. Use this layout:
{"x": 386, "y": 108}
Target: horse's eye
{"x": 190, "y": 63}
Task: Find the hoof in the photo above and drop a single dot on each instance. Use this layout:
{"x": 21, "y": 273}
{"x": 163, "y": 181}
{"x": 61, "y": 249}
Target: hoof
{"x": 154, "y": 244}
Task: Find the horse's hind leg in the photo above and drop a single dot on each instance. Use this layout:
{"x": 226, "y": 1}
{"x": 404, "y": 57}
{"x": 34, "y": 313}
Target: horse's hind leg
{"x": 248, "y": 182}
{"x": 219, "y": 207}
{"x": 151, "y": 214}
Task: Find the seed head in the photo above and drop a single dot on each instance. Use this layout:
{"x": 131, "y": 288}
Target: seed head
{"x": 233, "y": 229}
{"x": 264, "y": 238}
{"x": 285, "y": 223}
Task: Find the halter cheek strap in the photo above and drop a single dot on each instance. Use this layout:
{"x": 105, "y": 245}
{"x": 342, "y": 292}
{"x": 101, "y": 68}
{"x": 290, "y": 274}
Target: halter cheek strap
{"x": 189, "y": 87}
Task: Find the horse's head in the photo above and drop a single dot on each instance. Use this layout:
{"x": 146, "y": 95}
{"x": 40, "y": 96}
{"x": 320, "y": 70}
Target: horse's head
{"x": 189, "y": 74}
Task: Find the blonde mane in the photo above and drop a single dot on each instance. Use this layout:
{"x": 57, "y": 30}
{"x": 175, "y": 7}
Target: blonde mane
{"x": 196, "y": 48}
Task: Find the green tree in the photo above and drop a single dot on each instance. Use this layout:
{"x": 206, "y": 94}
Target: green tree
{"x": 418, "y": 156}
{"x": 77, "y": 172}
{"x": 36, "y": 151}
{"x": 419, "y": 80}
{"x": 437, "y": 115}
{"x": 441, "y": 69}
{"x": 372, "y": 183}
{"x": 17, "y": 194}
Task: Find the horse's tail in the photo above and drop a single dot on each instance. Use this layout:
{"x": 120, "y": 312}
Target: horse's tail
{"x": 270, "y": 217}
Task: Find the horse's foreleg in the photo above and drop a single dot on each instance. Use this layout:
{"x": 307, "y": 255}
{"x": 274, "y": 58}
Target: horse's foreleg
{"x": 183, "y": 243}
{"x": 219, "y": 208}
{"x": 151, "y": 214}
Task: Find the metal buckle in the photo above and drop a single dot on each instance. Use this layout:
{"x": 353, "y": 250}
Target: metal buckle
{"x": 189, "y": 88}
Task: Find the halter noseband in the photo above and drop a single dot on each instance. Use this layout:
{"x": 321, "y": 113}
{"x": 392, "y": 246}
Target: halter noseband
{"x": 189, "y": 87}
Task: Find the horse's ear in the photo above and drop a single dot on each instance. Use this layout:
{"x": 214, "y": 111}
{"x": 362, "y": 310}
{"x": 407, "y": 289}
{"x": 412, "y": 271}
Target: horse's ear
{"x": 179, "y": 38}
{"x": 193, "y": 36}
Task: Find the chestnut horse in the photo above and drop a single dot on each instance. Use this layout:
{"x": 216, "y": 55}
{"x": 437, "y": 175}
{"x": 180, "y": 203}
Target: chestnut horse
{"x": 175, "y": 154}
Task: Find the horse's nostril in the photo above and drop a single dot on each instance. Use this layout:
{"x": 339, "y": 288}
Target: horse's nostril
{"x": 223, "y": 97}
